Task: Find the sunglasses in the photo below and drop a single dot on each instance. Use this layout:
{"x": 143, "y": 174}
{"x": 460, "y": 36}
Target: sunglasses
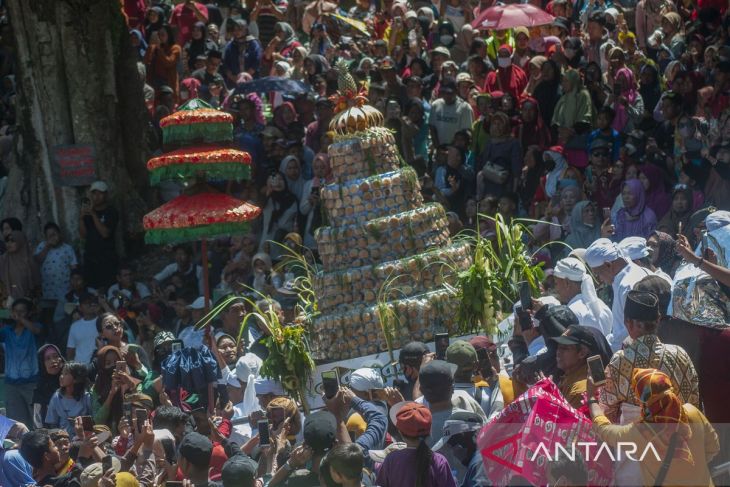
{"x": 600, "y": 153}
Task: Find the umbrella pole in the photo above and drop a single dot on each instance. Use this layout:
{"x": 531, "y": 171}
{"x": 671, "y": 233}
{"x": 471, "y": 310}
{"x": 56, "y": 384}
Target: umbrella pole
{"x": 206, "y": 283}
{"x": 206, "y": 295}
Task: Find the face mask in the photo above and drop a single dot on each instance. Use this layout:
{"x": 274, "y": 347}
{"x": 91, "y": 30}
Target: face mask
{"x": 446, "y": 40}
{"x": 459, "y": 452}
{"x": 504, "y": 62}
{"x": 184, "y": 94}
{"x": 569, "y": 53}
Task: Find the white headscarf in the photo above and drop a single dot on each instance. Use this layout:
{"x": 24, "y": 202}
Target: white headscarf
{"x": 601, "y": 251}
{"x": 295, "y": 186}
{"x": 574, "y": 270}
{"x": 268, "y": 386}
{"x": 366, "y": 379}
{"x": 634, "y": 248}
{"x": 717, "y": 219}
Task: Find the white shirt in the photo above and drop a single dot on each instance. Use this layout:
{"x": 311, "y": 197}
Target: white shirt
{"x": 82, "y": 338}
{"x": 585, "y": 315}
{"x": 191, "y": 337}
{"x": 622, "y": 284}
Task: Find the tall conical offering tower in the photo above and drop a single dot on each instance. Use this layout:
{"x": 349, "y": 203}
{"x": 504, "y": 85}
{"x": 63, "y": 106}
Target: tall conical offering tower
{"x": 386, "y": 255}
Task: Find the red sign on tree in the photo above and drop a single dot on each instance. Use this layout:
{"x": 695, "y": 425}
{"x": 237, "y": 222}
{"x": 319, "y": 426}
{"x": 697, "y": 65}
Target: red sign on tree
{"x": 74, "y": 165}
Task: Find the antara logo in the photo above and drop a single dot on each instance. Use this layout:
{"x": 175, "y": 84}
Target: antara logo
{"x": 592, "y": 451}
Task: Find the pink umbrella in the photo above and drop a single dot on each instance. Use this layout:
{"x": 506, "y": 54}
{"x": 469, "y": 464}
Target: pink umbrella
{"x": 509, "y": 16}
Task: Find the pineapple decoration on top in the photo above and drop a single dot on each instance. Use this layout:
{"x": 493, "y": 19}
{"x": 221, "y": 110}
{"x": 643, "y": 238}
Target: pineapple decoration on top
{"x": 352, "y": 113}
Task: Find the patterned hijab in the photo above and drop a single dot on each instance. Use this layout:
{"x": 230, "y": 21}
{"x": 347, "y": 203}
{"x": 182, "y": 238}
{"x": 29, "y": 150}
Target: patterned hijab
{"x": 662, "y": 409}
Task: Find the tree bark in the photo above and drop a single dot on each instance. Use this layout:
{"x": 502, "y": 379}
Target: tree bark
{"x": 77, "y": 83}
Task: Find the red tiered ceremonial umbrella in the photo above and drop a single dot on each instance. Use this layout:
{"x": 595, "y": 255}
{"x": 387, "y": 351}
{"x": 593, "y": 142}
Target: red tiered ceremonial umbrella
{"x": 502, "y": 17}
{"x": 198, "y": 217}
{"x": 196, "y": 121}
{"x": 193, "y": 162}
{"x": 201, "y": 213}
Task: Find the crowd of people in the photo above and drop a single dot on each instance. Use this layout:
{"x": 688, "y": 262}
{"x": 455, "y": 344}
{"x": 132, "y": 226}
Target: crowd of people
{"x": 607, "y": 130}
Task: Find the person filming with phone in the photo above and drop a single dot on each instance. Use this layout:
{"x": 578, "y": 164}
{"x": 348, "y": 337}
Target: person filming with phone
{"x": 575, "y": 345}
{"x": 97, "y": 226}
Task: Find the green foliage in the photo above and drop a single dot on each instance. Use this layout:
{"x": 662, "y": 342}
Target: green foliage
{"x": 289, "y": 361}
{"x": 489, "y": 287}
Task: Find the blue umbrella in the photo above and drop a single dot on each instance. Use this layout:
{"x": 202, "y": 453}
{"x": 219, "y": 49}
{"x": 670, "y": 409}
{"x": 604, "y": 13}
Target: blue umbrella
{"x": 271, "y": 83}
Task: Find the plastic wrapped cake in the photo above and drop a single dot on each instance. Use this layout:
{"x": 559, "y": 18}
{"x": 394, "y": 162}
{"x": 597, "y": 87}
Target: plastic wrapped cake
{"x": 385, "y": 252}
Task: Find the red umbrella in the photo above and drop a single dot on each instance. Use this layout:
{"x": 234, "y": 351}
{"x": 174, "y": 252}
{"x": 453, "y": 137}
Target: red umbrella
{"x": 198, "y": 217}
{"x": 502, "y": 17}
{"x": 189, "y": 162}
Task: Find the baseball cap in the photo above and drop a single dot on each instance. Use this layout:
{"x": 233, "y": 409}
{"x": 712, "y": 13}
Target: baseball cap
{"x": 378, "y": 456}
{"x": 412, "y": 353}
{"x": 91, "y": 475}
{"x": 464, "y": 78}
{"x": 641, "y": 306}
{"x": 599, "y": 143}
{"x": 197, "y": 449}
{"x": 246, "y": 366}
{"x": 437, "y": 374}
{"x": 462, "y": 354}
{"x": 459, "y": 422}
{"x": 598, "y": 17}
{"x": 411, "y": 418}
{"x": 238, "y": 470}
{"x": 319, "y": 431}
{"x": 442, "y": 51}
{"x": 140, "y": 400}
{"x": 199, "y": 303}
{"x": 413, "y": 79}
{"x": 99, "y": 186}
{"x": 576, "y": 335}
{"x": 562, "y": 23}
{"x": 556, "y": 320}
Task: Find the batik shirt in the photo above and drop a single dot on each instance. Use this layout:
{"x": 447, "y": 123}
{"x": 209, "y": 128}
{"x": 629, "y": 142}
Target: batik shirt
{"x": 647, "y": 352}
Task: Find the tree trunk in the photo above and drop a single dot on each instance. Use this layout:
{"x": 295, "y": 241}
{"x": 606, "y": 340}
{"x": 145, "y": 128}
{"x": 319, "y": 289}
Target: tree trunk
{"x": 77, "y": 83}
